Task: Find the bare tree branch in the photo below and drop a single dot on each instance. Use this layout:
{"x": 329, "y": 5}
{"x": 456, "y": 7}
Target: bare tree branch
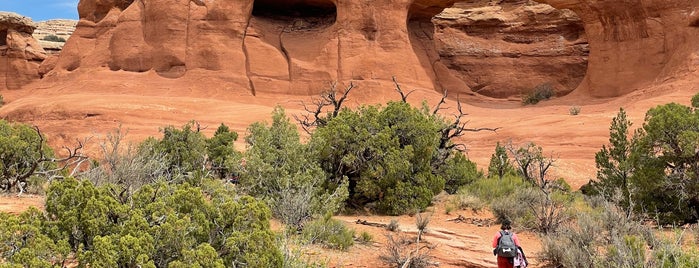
{"x": 73, "y": 159}
{"x": 454, "y": 130}
{"x": 403, "y": 96}
{"x": 327, "y": 98}
{"x": 438, "y": 107}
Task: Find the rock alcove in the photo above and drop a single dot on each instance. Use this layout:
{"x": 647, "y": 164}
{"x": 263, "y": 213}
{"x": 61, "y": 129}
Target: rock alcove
{"x": 503, "y": 49}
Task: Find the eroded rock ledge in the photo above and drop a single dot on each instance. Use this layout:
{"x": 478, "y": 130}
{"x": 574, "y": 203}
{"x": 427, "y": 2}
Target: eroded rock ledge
{"x": 20, "y": 54}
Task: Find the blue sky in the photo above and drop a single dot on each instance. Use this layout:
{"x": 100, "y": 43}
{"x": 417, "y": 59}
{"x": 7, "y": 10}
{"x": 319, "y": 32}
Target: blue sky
{"x": 40, "y": 10}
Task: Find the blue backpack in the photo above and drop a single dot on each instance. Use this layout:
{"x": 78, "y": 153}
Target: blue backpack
{"x": 506, "y": 245}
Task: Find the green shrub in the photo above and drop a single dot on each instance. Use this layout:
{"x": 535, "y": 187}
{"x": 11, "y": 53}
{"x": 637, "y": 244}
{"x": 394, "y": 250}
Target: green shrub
{"x": 222, "y": 156}
{"x": 463, "y": 199}
{"x": 668, "y": 253}
{"x": 24, "y": 244}
{"x": 500, "y": 162}
{"x": 393, "y": 226}
{"x": 156, "y": 225}
{"x": 328, "y": 231}
{"x": 26, "y": 160}
{"x": 387, "y": 152}
{"x": 458, "y": 171}
{"x": 365, "y": 238}
{"x": 695, "y": 101}
{"x": 495, "y": 188}
{"x": 281, "y": 170}
{"x": 575, "y": 110}
{"x": 2, "y": 101}
{"x": 182, "y": 150}
{"x": 54, "y": 38}
{"x": 540, "y": 92}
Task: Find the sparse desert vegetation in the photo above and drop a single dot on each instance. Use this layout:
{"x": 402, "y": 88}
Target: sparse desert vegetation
{"x": 169, "y": 201}
{"x": 269, "y": 174}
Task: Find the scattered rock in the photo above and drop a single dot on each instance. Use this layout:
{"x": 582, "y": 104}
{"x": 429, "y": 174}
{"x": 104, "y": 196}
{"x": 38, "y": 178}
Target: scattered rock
{"x": 475, "y": 221}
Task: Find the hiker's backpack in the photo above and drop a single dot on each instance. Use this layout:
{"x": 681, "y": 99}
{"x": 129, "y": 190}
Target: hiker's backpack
{"x": 506, "y": 245}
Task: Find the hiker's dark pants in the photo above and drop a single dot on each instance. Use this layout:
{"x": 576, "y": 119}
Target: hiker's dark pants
{"x": 504, "y": 262}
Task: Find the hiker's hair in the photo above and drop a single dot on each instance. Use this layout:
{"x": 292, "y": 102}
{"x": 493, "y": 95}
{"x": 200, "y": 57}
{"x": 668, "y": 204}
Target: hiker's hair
{"x": 506, "y": 225}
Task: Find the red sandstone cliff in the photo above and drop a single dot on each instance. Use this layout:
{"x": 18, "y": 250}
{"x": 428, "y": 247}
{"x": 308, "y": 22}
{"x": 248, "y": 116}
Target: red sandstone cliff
{"x": 20, "y": 53}
{"x": 636, "y": 43}
{"x": 268, "y": 46}
{"x": 496, "y": 48}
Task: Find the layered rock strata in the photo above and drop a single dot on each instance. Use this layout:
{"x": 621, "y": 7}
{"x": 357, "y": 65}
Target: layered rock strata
{"x": 62, "y": 29}
{"x": 510, "y": 48}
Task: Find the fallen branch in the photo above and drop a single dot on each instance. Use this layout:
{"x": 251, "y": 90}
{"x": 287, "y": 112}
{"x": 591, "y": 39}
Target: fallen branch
{"x": 374, "y": 224}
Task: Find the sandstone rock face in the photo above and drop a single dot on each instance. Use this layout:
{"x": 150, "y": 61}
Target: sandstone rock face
{"x": 507, "y": 48}
{"x": 20, "y": 53}
{"x": 271, "y": 46}
{"x": 496, "y": 48}
{"x": 635, "y": 43}
{"x": 59, "y": 28}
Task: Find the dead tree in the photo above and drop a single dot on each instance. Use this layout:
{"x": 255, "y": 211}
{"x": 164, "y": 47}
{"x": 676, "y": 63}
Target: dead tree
{"x": 534, "y": 167}
{"x": 531, "y": 163}
{"x": 450, "y": 131}
{"x": 329, "y": 98}
{"x": 36, "y": 166}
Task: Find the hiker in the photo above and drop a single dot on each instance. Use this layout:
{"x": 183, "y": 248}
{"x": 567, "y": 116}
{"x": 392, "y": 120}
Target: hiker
{"x": 505, "y": 245}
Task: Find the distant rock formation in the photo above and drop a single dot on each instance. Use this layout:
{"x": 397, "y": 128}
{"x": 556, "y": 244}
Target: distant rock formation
{"x": 20, "y": 53}
{"x": 62, "y": 29}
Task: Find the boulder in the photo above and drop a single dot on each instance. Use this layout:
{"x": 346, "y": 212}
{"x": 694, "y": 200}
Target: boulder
{"x": 20, "y": 53}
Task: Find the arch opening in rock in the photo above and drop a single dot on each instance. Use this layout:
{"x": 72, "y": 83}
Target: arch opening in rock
{"x": 503, "y": 50}
{"x": 299, "y": 14}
